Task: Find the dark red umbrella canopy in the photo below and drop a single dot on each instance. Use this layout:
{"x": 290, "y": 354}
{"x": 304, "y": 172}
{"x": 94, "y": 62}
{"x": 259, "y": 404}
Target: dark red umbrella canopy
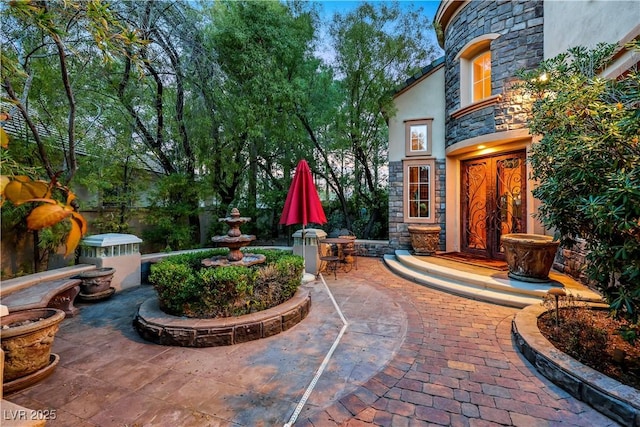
{"x": 303, "y": 203}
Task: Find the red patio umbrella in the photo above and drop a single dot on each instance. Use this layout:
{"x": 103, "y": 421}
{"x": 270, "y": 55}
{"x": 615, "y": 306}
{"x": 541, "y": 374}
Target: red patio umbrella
{"x": 303, "y": 204}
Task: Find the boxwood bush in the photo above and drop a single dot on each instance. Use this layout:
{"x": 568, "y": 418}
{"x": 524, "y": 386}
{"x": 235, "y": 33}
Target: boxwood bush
{"x": 186, "y": 288}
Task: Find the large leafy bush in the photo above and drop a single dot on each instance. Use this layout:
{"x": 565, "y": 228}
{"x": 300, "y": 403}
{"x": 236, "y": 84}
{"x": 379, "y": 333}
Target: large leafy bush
{"x": 186, "y": 288}
{"x": 587, "y": 165}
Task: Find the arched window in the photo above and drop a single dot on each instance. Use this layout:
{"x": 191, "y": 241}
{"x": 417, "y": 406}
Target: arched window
{"x": 475, "y": 71}
{"x": 481, "y": 77}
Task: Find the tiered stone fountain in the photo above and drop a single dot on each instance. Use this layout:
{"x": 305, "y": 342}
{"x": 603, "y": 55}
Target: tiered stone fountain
{"x": 157, "y": 326}
{"x": 234, "y": 240}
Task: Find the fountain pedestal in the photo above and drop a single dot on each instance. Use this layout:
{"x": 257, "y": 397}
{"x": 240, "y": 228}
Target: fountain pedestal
{"x": 234, "y": 240}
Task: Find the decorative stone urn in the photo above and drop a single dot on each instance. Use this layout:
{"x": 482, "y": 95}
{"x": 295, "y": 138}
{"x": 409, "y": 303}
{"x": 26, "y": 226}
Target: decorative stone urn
{"x": 26, "y": 337}
{"x": 96, "y": 284}
{"x": 425, "y": 239}
{"x": 529, "y": 256}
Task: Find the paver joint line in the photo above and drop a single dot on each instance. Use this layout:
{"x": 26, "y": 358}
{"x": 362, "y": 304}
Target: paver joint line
{"x": 324, "y": 363}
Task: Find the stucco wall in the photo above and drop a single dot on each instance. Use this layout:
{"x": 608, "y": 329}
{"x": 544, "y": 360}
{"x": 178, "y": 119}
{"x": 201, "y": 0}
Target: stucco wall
{"x": 586, "y": 23}
{"x": 423, "y": 100}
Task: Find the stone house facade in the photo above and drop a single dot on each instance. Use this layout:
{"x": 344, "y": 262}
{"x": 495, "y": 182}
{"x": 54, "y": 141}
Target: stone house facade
{"x": 458, "y": 142}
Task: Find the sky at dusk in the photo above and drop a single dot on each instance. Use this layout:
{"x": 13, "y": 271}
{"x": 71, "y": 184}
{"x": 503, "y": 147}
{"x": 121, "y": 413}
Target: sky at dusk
{"x": 331, "y": 6}
{"x": 328, "y": 8}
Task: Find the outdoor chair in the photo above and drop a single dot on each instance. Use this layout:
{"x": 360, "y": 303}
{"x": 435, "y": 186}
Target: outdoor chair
{"x": 328, "y": 261}
{"x": 350, "y": 251}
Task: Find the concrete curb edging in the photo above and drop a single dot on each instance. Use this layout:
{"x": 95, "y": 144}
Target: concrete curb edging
{"x": 608, "y": 396}
{"x": 156, "y": 326}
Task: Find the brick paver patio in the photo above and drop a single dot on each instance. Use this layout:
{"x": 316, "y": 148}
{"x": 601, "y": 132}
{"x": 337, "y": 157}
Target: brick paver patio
{"x": 410, "y": 356}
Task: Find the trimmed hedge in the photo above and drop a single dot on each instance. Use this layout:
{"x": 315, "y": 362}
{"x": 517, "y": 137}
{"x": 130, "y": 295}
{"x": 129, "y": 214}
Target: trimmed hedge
{"x": 186, "y": 288}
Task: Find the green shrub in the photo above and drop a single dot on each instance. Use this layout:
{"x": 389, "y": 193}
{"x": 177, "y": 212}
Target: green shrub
{"x": 587, "y": 164}
{"x": 186, "y": 288}
{"x": 175, "y": 284}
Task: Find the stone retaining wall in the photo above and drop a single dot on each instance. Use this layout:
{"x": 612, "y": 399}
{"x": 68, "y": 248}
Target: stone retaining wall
{"x": 156, "y": 326}
{"x": 608, "y": 396}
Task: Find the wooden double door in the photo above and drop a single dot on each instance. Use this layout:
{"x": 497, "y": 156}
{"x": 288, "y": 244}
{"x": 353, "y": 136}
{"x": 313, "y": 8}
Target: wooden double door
{"x": 493, "y": 200}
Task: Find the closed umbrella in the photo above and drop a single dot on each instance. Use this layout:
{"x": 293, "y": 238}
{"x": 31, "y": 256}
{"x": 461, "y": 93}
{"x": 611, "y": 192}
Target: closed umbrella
{"x": 302, "y": 205}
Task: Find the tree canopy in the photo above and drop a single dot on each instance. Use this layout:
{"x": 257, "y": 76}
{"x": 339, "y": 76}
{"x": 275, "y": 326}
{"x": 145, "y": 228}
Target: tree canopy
{"x": 214, "y": 101}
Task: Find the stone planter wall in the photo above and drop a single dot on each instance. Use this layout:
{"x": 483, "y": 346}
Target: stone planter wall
{"x": 156, "y": 326}
{"x": 608, "y": 396}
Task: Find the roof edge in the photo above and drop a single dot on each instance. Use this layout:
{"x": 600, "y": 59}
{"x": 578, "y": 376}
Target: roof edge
{"x": 418, "y": 77}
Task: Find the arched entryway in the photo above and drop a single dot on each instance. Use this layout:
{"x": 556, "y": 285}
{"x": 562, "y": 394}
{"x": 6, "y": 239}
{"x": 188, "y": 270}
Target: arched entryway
{"x": 493, "y": 201}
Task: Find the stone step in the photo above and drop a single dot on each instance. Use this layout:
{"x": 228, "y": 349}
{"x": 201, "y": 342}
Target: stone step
{"x": 480, "y": 283}
{"x": 456, "y": 287}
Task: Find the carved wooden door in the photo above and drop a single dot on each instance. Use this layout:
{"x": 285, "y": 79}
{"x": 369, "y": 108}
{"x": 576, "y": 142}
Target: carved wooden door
{"x": 493, "y": 202}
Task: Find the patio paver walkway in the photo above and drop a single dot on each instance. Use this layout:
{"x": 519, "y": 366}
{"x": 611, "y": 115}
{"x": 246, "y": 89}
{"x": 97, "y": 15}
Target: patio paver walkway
{"x": 411, "y": 356}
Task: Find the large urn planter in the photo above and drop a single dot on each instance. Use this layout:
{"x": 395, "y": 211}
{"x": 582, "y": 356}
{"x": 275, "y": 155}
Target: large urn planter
{"x": 529, "y": 256}
{"x": 96, "y": 284}
{"x": 26, "y": 337}
{"x": 425, "y": 239}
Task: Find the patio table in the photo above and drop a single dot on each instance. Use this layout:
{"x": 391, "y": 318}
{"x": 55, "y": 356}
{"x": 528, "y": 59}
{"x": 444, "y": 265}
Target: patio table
{"x": 340, "y": 244}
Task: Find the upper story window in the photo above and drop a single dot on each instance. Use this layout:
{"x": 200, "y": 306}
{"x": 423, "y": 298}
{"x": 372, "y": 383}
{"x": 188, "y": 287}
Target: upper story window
{"x": 475, "y": 75}
{"x": 418, "y": 137}
{"x": 481, "y": 76}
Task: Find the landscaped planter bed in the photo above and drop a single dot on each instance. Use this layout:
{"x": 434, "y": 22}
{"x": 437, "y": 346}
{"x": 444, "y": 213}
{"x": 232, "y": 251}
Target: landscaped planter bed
{"x": 156, "y": 326}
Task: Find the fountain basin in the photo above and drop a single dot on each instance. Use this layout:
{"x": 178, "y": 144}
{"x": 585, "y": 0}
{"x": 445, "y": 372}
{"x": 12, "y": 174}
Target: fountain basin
{"x": 222, "y": 261}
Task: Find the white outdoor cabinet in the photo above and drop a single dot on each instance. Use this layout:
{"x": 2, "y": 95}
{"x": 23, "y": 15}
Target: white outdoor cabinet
{"x": 119, "y": 251}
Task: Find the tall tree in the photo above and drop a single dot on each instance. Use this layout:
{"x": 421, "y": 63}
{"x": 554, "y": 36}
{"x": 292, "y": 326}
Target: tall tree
{"x": 376, "y": 48}
{"x": 154, "y": 97}
{"x": 54, "y": 42}
{"x": 260, "y": 49}
{"x": 48, "y": 46}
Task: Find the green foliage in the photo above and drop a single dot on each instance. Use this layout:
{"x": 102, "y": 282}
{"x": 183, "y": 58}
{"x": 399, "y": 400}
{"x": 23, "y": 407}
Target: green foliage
{"x": 225, "y": 291}
{"x": 175, "y": 285}
{"x": 50, "y": 51}
{"x": 187, "y": 288}
{"x": 168, "y": 217}
{"x": 630, "y": 333}
{"x": 109, "y": 222}
{"x": 587, "y": 164}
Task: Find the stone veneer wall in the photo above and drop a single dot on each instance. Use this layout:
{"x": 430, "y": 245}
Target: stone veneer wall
{"x": 571, "y": 261}
{"x": 520, "y": 45}
{"x": 398, "y": 229}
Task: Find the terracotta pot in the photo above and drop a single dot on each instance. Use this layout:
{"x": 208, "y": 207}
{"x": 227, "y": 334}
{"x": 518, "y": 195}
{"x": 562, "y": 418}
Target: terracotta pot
{"x": 96, "y": 281}
{"x": 425, "y": 239}
{"x": 26, "y": 337}
{"x": 529, "y": 256}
